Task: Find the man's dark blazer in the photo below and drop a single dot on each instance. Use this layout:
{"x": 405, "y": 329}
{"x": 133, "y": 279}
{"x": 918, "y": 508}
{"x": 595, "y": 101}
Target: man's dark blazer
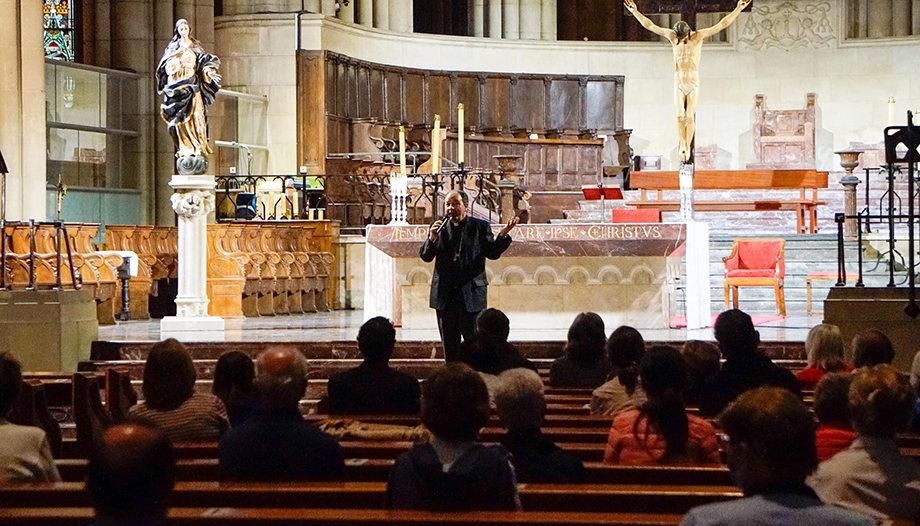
{"x": 477, "y": 244}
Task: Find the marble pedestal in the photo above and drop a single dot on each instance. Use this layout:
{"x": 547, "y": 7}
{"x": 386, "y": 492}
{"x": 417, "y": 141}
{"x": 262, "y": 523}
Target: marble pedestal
{"x": 625, "y": 273}
{"x": 192, "y": 202}
{"x": 48, "y": 330}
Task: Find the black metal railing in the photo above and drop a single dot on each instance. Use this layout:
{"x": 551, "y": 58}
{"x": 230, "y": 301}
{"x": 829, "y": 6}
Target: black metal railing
{"x": 902, "y": 149}
{"x": 357, "y": 200}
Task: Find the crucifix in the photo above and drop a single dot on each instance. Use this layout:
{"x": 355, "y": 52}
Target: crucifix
{"x": 688, "y": 9}
{"x": 687, "y": 45}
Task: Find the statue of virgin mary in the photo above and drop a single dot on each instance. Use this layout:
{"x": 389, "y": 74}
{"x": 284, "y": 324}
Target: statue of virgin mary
{"x": 187, "y": 78}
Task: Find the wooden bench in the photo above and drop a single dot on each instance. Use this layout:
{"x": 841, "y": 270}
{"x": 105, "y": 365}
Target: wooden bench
{"x": 807, "y": 182}
{"x": 628, "y": 498}
{"x": 343, "y": 517}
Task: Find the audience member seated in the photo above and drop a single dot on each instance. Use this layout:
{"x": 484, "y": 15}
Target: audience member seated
{"x": 915, "y": 372}
{"x": 233, "y": 378}
{"x": 26, "y": 453}
{"x": 452, "y": 471}
{"x": 872, "y": 476}
{"x": 872, "y": 348}
{"x": 131, "y": 475}
{"x": 703, "y": 361}
{"x": 276, "y": 443}
{"x": 745, "y": 367}
{"x": 824, "y": 346}
{"x": 170, "y": 400}
{"x": 584, "y": 363}
{"x": 625, "y": 350}
{"x": 521, "y": 406}
{"x": 660, "y": 431}
{"x": 770, "y": 449}
{"x": 835, "y": 433}
{"x": 372, "y": 388}
{"x": 489, "y": 351}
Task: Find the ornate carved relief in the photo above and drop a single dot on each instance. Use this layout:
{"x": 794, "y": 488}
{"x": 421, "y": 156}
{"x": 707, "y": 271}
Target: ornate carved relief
{"x": 788, "y": 25}
{"x": 188, "y": 204}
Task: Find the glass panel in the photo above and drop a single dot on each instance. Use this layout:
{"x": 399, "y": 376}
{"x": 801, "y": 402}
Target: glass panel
{"x": 78, "y": 96}
{"x": 79, "y": 157}
{"x": 63, "y": 146}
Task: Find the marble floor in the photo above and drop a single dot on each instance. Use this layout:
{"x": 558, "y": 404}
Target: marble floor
{"x": 343, "y": 325}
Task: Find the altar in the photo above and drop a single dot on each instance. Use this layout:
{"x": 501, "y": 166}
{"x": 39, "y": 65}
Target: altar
{"x": 627, "y": 273}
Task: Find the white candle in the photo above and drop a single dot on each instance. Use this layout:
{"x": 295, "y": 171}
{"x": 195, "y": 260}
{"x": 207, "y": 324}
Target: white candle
{"x": 460, "y": 133}
{"x": 436, "y": 146}
{"x": 402, "y": 151}
{"x": 891, "y": 117}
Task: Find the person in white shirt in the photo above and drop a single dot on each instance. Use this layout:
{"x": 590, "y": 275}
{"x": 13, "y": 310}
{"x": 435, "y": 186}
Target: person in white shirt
{"x": 26, "y": 453}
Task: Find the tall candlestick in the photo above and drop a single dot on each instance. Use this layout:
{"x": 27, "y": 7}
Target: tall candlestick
{"x": 460, "y": 133}
{"x": 891, "y": 108}
{"x": 402, "y": 151}
{"x": 436, "y": 146}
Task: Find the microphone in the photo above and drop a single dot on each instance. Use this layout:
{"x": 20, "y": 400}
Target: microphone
{"x": 443, "y": 225}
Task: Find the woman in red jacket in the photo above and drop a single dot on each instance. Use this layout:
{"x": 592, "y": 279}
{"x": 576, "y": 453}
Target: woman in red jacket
{"x": 824, "y": 346}
{"x": 660, "y": 431}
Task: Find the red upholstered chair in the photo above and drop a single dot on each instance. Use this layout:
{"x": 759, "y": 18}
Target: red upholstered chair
{"x": 756, "y": 263}
{"x": 636, "y": 215}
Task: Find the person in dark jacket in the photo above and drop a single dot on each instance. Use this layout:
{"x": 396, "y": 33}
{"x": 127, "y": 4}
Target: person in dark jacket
{"x": 233, "y": 377}
{"x": 453, "y": 471}
{"x": 372, "y": 388}
{"x": 276, "y": 443}
{"x": 520, "y": 404}
{"x": 489, "y": 351}
{"x": 459, "y": 252}
{"x": 745, "y": 367}
{"x": 585, "y": 363}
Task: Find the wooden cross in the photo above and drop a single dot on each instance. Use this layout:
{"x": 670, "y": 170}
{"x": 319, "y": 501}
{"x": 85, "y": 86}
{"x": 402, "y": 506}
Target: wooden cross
{"x": 688, "y": 9}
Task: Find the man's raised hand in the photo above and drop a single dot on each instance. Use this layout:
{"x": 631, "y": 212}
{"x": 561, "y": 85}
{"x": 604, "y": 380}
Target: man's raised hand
{"x": 631, "y": 5}
{"x": 433, "y": 231}
{"x": 510, "y": 226}
{"x": 741, "y": 3}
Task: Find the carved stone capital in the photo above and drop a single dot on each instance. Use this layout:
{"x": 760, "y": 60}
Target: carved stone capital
{"x": 192, "y": 203}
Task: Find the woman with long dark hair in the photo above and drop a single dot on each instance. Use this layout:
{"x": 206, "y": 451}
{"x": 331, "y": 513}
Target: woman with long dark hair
{"x": 625, "y": 349}
{"x": 584, "y": 363}
{"x": 660, "y": 431}
{"x": 233, "y": 378}
{"x": 170, "y": 400}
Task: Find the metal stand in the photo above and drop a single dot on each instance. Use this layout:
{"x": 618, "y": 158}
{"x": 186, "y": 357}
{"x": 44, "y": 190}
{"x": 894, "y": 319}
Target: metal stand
{"x": 124, "y": 274}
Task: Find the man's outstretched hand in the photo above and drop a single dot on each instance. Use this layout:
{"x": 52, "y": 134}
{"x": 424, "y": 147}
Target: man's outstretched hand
{"x": 741, "y": 3}
{"x": 509, "y": 227}
{"x": 631, "y": 5}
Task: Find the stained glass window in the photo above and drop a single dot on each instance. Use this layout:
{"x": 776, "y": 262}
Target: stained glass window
{"x": 59, "y": 29}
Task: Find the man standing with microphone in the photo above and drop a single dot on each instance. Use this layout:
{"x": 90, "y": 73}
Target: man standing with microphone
{"x": 460, "y": 245}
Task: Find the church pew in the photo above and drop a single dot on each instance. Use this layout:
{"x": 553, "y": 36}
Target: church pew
{"x": 630, "y": 498}
{"x": 805, "y": 207}
{"x": 378, "y": 470}
{"x": 69, "y": 516}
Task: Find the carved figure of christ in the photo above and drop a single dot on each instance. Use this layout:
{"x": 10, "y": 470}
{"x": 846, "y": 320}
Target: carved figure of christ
{"x": 687, "y": 45}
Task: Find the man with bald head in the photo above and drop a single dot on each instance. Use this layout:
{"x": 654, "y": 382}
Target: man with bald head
{"x": 131, "y": 475}
{"x": 459, "y": 285}
{"x": 276, "y": 443}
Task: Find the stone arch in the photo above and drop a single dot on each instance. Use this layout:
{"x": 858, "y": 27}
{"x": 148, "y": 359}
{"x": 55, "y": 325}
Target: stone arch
{"x": 610, "y": 275}
{"x": 545, "y": 275}
{"x": 641, "y": 275}
{"x": 513, "y": 275}
{"x": 577, "y": 275}
{"x": 419, "y": 276}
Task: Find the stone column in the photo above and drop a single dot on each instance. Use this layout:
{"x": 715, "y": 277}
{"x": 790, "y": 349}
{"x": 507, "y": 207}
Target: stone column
{"x": 366, "y": 12}
{"x": 901, "y": 18}
{"x": 511, "y": 27}
{"x": 22, "y": 108}
{"x": 849, "y": 160}
{"x": 880, "y": 19}
{"x": 347, "y": 12}
{"x": 479, "y": 18}
{"x": 401, "y": 16}
{"x": 192, "y": 202}
{"x": 495, "y": 18}
{"x": 382, "y": 14}
{"x": 548, "y": 19}
{"x": 531, "y": 19}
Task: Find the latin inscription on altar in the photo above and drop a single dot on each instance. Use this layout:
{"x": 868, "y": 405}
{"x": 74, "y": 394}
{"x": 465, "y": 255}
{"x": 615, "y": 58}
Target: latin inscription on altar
{"x": 549, "y": 232}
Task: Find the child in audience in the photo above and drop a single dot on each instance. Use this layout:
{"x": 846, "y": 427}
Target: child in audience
{"x": 233, "y": 378}
{"x": 584, "y": 363}
{"x": 824, "y": 346}
{"x": 661, "y": 431}
{"x": 625, "y": 349}
{"x": 703, "y": 361}
{"x": 834, "y": 432}
{"x": 453, "y": 471}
